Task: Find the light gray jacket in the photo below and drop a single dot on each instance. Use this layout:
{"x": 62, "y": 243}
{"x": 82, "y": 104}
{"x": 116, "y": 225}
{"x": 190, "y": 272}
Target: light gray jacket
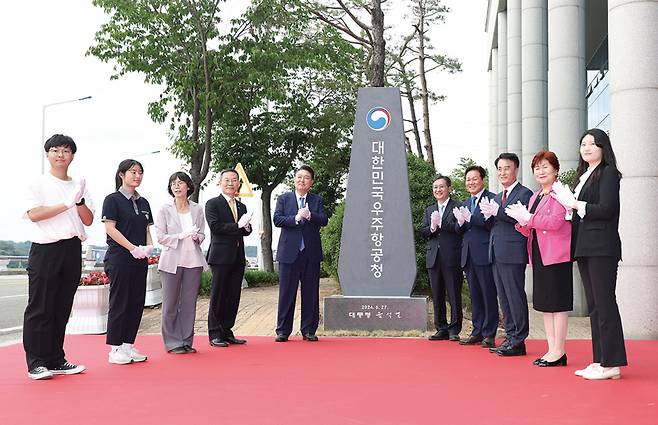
{"x": 167, "y": 228}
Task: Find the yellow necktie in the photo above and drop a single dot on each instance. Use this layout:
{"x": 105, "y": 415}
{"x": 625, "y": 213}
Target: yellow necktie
{"x": 233, "y": 211}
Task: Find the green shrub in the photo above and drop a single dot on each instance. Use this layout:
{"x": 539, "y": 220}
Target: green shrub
{"x": 330, "y": 236}
{"x": 258, "y": 278}
{"x": 255, "y": 279}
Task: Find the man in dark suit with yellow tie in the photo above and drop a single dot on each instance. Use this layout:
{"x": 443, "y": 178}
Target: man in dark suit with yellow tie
{"x": 299, "y": 214}
{"x": 229, "y": 223}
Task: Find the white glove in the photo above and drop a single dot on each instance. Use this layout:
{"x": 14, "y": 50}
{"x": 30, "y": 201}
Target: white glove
{"x": 245, "y": 219}
{"x": 489, "y": 207}
{"x": 140, "y": 252}
{"x": 300, "y": 214}
{"x": 306, "y": 213}
{"x": 519, "y": 212}
{"x": 76, "y": 196}
{"x": 458, "y": 215}
{"x": 189, "y": 234}
{"x": 466, "y": 214}
{"x": 563, "y": 195}
{"x": 434, "y": 220}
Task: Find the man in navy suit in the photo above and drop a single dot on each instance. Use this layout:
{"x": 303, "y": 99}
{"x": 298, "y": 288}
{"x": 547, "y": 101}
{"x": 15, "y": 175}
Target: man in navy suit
{"x": 229, "y": 223}
{"x": 442, "y": 260}
{"x": 299, "y": 214}
{"x": 475, "y": 260}
{"x": 508, "y": 252}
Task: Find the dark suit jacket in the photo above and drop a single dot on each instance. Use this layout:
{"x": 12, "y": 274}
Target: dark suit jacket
{"x": 476, "y": 235}
{"x": 445, "y": 242}
{"x": 226, "y": 239}
{"x": 506, "y": 244}
{"x": 597, "y": 234}
{"x": 291, "y": 232}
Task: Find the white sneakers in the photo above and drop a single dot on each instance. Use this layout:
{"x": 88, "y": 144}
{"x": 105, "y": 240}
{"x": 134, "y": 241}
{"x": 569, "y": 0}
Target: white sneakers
{"x": 124, "y": 354}
{"x": 596, "y": 372}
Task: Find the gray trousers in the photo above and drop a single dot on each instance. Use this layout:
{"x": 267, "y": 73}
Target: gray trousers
{"x": 179, "y": 296}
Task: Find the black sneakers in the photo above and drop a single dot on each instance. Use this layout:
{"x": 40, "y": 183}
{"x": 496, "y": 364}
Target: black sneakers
{"x": 67, "y": 368}
{"x": 39, "y": 372}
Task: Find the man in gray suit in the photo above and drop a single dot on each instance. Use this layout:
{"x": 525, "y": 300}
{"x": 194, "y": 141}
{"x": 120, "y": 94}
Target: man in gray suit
{"x": 509, "y": 255}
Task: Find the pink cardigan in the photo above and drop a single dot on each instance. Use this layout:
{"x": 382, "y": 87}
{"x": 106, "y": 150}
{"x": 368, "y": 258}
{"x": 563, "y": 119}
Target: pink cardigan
{"x": 553, "y": 231}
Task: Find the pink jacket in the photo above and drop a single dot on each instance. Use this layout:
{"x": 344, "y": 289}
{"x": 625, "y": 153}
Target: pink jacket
{"x": 553, "y": 231}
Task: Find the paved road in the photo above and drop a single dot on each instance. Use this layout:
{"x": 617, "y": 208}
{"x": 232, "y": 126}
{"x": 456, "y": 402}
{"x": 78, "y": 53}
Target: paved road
{"x": 13, "y": 299}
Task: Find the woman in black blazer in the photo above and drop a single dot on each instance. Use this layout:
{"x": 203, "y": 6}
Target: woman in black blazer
{"x": 597, "y": 249}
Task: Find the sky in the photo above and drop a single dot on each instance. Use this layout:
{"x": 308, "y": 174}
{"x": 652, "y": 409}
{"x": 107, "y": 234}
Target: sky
{"x": 43, "y": 61}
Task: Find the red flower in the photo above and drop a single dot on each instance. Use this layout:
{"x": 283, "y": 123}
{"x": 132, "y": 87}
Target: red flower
{"x": 154, "y": 259}
{"x": 95, "y": 278}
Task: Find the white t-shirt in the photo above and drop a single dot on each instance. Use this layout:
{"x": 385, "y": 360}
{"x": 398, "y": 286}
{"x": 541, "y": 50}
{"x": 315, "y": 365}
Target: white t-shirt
{"x": 47, "y": 190}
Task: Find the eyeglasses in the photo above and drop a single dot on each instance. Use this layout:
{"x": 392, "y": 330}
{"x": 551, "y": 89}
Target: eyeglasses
{"x": 64, "y": 152}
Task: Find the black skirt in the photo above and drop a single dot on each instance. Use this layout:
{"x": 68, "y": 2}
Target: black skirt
{"x": 552, "y": 286}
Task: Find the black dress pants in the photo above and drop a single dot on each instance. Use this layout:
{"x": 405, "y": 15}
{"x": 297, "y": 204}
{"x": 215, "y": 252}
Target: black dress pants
{"x": 127, "y": 295}
{"x": 599, "y": 276}
{"x": 224, "y": 298}
{"x": 446, "y": 280}
{"x": 54, "y": 275}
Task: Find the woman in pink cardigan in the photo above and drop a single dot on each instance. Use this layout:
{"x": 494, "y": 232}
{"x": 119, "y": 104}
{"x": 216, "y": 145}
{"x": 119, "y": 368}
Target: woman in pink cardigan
{"x": 549, "y": 248}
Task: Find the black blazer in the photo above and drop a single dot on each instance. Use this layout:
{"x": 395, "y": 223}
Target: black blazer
{"x": 226, "y": 239}
{"x": 476, "y": 234}
{"x": 597, "y": 235}
{"x": 445, "y": 240}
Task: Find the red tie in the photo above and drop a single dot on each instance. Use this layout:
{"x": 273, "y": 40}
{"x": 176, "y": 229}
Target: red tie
{"x": 504, "y": 195}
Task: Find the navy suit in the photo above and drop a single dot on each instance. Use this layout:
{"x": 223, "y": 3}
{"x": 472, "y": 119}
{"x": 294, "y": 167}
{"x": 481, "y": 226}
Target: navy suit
{"x": 476, "y": 264}
{"x": 297, "y": 265}
{"x": 509, "y": 255}
{"x": 442, "y": 262}
{"x": 226, "y": 259}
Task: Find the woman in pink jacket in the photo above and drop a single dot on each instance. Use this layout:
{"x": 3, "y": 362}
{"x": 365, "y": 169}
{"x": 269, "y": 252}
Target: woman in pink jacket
{"x": 549, "y": 248}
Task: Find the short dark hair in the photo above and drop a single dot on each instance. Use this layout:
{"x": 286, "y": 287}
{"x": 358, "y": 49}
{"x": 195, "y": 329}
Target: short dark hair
{"x": 229, "y": 170}
{"x": 60, "y": 140}
{"x": 481, "y": 170}
{"x": 306, "y": 168}
{"x": 184, "y": 178}
{"x": 548, "y": 156}
{"x": 444, "y": 178}
{"x": 510, "y": 156}
{"x": 124, "y": 166}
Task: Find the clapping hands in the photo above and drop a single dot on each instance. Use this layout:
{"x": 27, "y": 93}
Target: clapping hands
{"x": 435, "y": 220}
{"x": 245, "y": 219}
{"x": 563, "y": 195}
{"x": 77, "y": 195}
{"x": 489, "y": 207}
{"x": 519, "y": 212}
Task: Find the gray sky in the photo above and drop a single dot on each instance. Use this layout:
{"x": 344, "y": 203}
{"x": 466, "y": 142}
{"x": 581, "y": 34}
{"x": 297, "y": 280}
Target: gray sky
{"x": 42, "y": 61}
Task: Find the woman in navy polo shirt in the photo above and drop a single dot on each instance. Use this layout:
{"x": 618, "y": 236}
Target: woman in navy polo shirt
{"x": 127, "y": 217}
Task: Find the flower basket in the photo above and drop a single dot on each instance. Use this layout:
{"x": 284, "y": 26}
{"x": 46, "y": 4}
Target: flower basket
{"x": 90, "y": 305}
{"x": 153, "y": 284}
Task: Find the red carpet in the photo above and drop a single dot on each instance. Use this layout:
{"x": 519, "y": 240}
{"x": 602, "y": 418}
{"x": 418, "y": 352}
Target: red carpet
{"x": 336, "y": 381}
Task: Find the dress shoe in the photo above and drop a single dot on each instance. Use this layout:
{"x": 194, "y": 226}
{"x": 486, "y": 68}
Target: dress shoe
{"x": 216, "y": 342}
{"x": 488, "y": 342}
{"x": 502, "y": 346}
{"x": 281, "y": 338}
{"x": 471, "y": 340}
{"x": 439, "y": 336}
{"x": 189, "y": 348}
{"x": 178, "y": 350}
{"x": 581, "y": 372}
{"x": 601, "y": 372}
{"x": 537, "y": 361}
{"x": 233, "y": 340}
{"x": 310, "y": 337}
{"x": 562, "y": 361}
{"x": 516, "y": 350}
{"x": 454, "y": 338}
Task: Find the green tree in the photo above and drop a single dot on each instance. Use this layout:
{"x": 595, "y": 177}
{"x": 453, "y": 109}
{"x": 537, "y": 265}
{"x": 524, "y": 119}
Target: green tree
{"x": 169, "y": 42}
{"x": 294, "y": 103}
{"x": 458, "y": 175}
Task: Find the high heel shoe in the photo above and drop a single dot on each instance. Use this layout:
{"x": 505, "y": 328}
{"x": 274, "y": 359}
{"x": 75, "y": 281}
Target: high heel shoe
{"x": 562, "y": 361}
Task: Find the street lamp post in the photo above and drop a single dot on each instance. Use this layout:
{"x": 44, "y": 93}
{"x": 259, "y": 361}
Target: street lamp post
{"x": 43, "y": 126}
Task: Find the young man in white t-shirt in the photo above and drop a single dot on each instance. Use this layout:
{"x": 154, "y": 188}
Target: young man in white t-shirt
{"x": 60, "y": 207}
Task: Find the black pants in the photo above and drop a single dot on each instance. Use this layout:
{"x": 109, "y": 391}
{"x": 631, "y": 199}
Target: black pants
{"x": 54, "y": 274}
{"x": 446, "y": 279}
{"x": 290, "y": 275}
{"x": 599, "y": 276}
{"x": 224, "y": 298}
{"x": 127, "y": 294}
{"x": 484, "y": 304}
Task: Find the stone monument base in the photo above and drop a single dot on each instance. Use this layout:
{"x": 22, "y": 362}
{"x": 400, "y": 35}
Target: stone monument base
{"x": 375, "y": 313}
